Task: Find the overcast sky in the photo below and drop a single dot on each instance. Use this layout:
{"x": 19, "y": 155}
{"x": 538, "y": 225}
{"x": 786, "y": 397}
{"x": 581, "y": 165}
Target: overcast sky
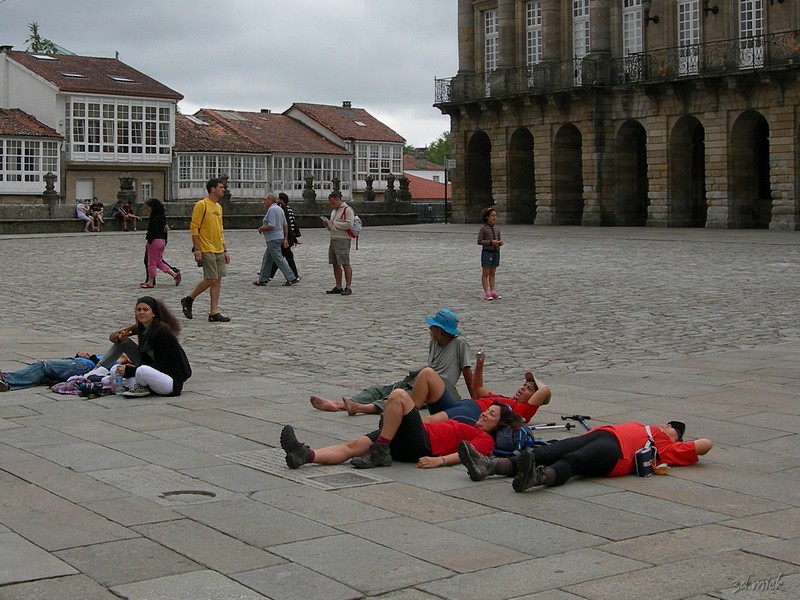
{"x": 382, "y": 55}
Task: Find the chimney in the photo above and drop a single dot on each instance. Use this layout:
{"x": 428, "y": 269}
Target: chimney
{"x": 420, "y": 158}
{"x": 346, "y": 104}
{"x": 5, "y": 49}
{"x": 266, "y": 111}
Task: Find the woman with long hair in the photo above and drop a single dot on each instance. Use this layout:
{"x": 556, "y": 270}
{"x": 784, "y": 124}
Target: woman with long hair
{"x": 405, "y": 438}
{"x": 490, "y": 241}
{"x": 158, "y": 362}
{"x": 157, "y": 230}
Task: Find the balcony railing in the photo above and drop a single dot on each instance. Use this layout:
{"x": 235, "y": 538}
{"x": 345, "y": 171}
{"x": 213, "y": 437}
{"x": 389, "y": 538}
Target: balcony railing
{"x": 765, "y": 52}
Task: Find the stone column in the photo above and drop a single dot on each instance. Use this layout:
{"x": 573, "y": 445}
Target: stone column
{"x": 507, "y": 58}
{"x": 551, "y": 29}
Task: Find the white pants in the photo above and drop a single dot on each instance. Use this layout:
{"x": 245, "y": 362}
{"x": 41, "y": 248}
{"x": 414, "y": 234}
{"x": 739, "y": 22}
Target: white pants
{"x": 160, "y": 383}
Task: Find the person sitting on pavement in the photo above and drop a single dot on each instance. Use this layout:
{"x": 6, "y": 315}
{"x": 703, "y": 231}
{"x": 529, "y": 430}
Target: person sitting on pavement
{"x": 158, "y": 362}
{"x": 448, "y": 354}
{"x": 607, "y": 451}
{"x": 405, "y": 438}
{"x": 48, "y": 371}
{"x": 429, "y": 388}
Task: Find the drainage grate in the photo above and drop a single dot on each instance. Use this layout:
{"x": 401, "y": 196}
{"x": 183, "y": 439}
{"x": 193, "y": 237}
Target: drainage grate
{"x": 323, "y": 477}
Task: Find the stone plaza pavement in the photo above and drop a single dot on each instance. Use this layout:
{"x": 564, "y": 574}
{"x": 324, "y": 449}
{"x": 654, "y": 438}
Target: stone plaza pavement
{"x": 189, "y": 498}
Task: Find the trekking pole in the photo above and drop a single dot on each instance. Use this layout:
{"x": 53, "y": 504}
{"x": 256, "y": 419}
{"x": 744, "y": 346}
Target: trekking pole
{"x": 580, "y": 419}
{"x": 546, "y": 426}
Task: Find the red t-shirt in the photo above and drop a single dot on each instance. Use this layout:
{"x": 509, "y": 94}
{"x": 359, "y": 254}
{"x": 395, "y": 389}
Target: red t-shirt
{"x": 445, "y": 435}
{"x": 633, "y": 436}
{"x": 525, "y": 410}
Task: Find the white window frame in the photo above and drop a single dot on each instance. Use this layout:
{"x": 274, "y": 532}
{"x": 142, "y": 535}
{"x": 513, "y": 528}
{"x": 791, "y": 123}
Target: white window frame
{"x": 534, "y": 49}
{"x": 25, "y": 161}
{"x": 581, "y": 37}
{"x": 751, "y": 34}
{"x": 688, "y": 12}
{"x": 247, "y": 173}
{"x": 491, "y": 44}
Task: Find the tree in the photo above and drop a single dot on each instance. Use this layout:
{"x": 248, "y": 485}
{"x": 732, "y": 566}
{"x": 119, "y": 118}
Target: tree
{"x": 439, "y": 149}
{"x": 36, "y": 43}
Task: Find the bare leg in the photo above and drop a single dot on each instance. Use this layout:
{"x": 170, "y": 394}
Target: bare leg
{"x": 337, "y": 275}
{"x": 327, "y": 405}
{"x": 485, "y": 279}
{"x": 428, "y": 388}
{"x": 348, "y": 275}
{"x": 354, "y": 408}
{"x": 335, "y": 455}
{"x": 214, "y": 290}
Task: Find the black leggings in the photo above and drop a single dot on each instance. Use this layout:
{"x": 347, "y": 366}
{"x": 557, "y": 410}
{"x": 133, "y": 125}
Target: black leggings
{"x": 411, "y": 442}
{"x": 592, "y": 454}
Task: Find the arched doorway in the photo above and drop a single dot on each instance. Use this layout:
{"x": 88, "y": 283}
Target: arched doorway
{"x": 630, "y": 177}
{"x": 522, "y": 190}
{"x": 687, "y": 174}
{"x": 478, "y": 177}
{"x": 568, "y": 176}
{"x": 748, "y": 159}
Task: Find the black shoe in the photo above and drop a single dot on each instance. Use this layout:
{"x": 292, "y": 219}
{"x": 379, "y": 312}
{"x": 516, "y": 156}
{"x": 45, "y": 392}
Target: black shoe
{"x": 186, "y": 306}
{"x": 478, "y": 466}
{"x": 218, "y": 318}
{"x": 528, "y": 473}
{"x": 292, "y": 282}
{"x": 260, "y": 283}
{"x": 4, "y": 386}
{"x": 379, "y": 455}
{"x": 297, "y": 454}
{"x": 336, "y": 290}
{"x": 346, "y": 292}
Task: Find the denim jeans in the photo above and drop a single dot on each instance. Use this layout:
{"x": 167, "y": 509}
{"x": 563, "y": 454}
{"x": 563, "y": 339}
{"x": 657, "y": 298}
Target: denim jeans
{"x": 273, "y": 255}
{"x": 44, "y": 371}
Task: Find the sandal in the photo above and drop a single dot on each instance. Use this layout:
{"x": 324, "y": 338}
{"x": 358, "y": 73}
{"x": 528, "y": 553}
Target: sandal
{"x": 147, "y": 286}
{"x": 177, "y": 278}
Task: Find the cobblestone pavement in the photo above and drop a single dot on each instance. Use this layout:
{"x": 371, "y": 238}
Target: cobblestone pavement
{"x": 623, "y": 323}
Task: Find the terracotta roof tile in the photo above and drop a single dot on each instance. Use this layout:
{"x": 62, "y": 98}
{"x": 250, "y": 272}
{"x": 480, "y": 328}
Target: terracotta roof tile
{"x": 425, "y": 189}
{"x": 344, "y": 122}
{"x": 16, "y": 123}
{"x": 254, "y": 132}
{"x": 107, "y": 76}
{"x": 410, "y": 164}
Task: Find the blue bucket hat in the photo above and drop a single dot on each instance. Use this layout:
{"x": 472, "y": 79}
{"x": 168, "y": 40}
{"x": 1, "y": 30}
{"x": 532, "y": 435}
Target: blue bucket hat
{"x": 445, "y": 320}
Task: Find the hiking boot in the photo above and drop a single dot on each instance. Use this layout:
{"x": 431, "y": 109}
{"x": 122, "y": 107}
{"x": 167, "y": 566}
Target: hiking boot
{"x": 4, "y": 386}
{"x": 335, "y": 290}
{"x": 297, "y": 454}
{"x": 186, "y": 306}
{"x": 218, "y": 318}
{"x": 528, "y": 473}
{"x": 478, "y": 466}
{"x": 137, "y": 391}
{"x": 379, "y": 455}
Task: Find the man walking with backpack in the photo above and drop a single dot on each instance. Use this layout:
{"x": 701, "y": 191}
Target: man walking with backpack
{"x": 339, "y": 226}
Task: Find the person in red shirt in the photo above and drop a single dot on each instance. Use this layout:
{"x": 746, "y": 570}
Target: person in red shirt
{"x": 429, "y": 388}
{"x": 607, "y": 451}
{"x": 404, "y": 437}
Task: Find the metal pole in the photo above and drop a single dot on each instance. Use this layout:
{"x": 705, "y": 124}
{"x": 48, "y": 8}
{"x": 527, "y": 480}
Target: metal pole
{"x": 446, "y": 158}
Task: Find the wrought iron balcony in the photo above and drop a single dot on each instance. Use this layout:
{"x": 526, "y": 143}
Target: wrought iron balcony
{"x": 767, "y": 52}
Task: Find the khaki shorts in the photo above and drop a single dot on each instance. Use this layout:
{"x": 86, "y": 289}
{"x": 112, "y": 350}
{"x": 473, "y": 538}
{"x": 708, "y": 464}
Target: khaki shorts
{"x": 214, "y": 265}
{"x": 339, "y": 252}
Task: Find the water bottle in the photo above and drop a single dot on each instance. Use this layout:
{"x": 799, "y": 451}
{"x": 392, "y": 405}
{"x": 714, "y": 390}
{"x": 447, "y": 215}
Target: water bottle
{"x": 479, "y": 353}
{"x": 118, "y": 386}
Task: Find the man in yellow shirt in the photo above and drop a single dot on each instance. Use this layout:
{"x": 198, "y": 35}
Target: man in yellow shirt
{"x": 210, "y": 250}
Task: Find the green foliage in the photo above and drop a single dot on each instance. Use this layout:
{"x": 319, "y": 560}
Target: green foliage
{"x": 36, "y": 43}
{"x": 439, "y": 149}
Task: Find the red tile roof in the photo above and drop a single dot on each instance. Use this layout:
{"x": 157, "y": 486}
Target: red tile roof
{"x": 410, "y": 164}
{"x": 344, "y": 122}
{"x": 249, "y": 132}
{"x": 425, "y": 189}
{"x": 16, "y": 123}
{"x": 98, "y": 74}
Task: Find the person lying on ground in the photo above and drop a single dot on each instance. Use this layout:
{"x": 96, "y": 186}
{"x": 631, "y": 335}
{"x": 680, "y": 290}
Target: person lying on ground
{"x": 448, "y": 354}
{"x": 607, "y": 451}
{"x": 430, "y": 389}
{"x": 48, "y": 371}
{"x": 405, "y": 438}
{"x": 158, "y": 362}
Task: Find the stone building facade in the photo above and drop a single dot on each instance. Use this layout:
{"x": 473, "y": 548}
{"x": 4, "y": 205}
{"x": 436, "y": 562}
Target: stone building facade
{"x": 669, "y": 113}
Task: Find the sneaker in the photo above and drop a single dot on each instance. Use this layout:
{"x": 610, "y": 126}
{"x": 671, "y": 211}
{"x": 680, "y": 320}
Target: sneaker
{"x": 292, "y": 282}
{"x": 260, "y": 283}
{"x": 347, "y": 292}
{"x": 495, "y": 295}
{"x": 528, "y": 473}
{"x": 186, "y": 306}
{"x": 336, "y": 290}
{"x": 137, "y": 391}
{"x": 379, "y": 455}
{"x": 478, "y": 466}
{"x": 4, "y": 386}
{"x": 297, "y": 454}
{"x": 488, "y": 296}
{"x": 218, "y": 318}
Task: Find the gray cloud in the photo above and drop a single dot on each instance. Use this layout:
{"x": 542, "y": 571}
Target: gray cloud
{"x": 382, "y": 55}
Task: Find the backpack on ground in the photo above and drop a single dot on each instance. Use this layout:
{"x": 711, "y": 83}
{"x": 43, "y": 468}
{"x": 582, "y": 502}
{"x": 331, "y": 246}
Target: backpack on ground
{"x": 509, "y": 441}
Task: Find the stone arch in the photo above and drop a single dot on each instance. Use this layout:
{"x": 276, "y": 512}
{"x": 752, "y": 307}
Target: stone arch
{"x": 630, "y": 176}
{"x": 568, "y": 176}
{"x": 688, "y": 206}
{"x": 478, "y": 176}
{"x": 522, "y": 187}
{"x": 748, "y": 160}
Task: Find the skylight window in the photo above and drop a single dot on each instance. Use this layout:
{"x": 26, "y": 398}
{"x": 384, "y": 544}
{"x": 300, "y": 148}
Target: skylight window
{"x": 44, "y": 57}
{"x": 196, "y": 120}
{"x": 231, "y": 116}
{"x": 74, "y": 75}
{"x": 360, "y": 123}
{"x": 121, "y": 79}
